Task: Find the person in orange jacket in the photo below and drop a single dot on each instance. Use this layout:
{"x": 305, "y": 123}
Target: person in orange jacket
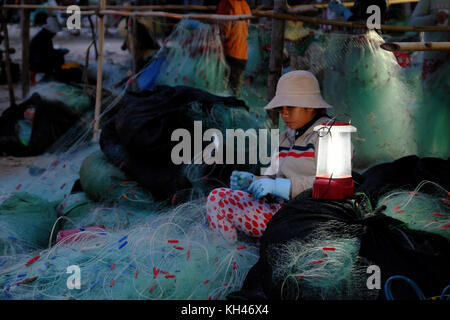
{"x": 234, "y": 38}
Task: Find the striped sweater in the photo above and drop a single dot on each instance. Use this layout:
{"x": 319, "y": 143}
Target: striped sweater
{"x": 296, "y": 159}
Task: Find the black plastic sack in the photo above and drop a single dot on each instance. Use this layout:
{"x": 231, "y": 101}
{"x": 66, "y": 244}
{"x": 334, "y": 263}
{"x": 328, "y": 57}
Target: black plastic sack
{"x": 385, "y": 242}
{"x": 420, "y": 256}
{"x": 161, "y": 180}
{"x": 406, "y": 172}
{"x": 51, "y": 121}
{"x": 138, "y": 138}
{"x": 146, "y": 124}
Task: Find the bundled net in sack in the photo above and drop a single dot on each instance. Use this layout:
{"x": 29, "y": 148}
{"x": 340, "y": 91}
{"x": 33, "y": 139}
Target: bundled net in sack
{"x": 26, "y": 222}
{"x": 49, "y": 111}
{"x": 324, "y": 268}
{"x": 72, "y": 96}
{"x": 103, "y": 182}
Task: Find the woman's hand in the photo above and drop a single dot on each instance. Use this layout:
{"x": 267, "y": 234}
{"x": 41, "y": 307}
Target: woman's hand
{"x": 241, "y": 180}
{"x": 279, "y": 187}
{"x": 262, "y": 187}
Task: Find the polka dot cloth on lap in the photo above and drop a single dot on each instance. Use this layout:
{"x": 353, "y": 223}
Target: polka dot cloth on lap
{"x": 231, "y": 210}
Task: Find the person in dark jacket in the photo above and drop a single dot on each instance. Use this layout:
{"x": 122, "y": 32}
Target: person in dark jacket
{"x": 44, "y": 58}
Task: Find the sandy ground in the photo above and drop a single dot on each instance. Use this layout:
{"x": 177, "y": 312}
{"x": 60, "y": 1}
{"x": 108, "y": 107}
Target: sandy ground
{"x": 77, "y": 46}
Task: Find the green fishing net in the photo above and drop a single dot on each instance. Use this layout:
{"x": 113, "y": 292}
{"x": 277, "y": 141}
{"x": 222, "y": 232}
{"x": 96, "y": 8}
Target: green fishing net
{"x": 325, "y": 266}
{"x": 26, "y": 222}
{"x": 172, "y": 255}
{"x": 395, "y": 112}
{"x": 424, "y": 211}
{"x": 72, "y": 96}
{"x": 193, "y": 56}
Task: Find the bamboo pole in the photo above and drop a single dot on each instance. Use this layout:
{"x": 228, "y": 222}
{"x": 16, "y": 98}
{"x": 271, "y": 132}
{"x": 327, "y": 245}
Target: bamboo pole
{"x": 142, "y": 14}
{"x": 12, "y": 98}
{"x": 50, "y": 8}
{"x": 134, "y": 51}
{"x": 94, "y": 36}
{"x": 302, "y": 8}
{"x": 25, "y": 34}
{"x": 132, "y": 25}
{"x": 278, "y": 16}
{"x": 164, "y": 7}
{"x": 140, "y": 8}
{"x": 276, "y": 58}
{"x": 170, "y": 15}
{"x": 85, "y": 10}
{"x": 392, "y": 2}
{"x": 134, "y": 10}
{"x": 181, "y": 7}
{"x": 98, "y": 96}
{"x": 348, "y": 24}
{"x": 415, "y": 46}
{"x": 351, "y": 4}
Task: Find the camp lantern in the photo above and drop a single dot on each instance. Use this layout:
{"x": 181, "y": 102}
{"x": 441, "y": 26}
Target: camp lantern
{"x": 334, "y": 161}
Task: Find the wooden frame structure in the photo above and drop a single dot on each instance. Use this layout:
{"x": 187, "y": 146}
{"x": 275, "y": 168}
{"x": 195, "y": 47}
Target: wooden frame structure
{"x": 279, "y": 14}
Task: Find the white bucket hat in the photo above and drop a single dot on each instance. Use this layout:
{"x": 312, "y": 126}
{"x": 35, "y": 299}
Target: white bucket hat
{"x": 298, "y": 89}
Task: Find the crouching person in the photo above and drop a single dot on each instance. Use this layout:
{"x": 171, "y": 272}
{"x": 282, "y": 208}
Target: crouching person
{"x": 244, "y": 207}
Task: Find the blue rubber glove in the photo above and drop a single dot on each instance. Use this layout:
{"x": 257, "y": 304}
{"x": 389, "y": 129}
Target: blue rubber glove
{"x": 337, "y": 7}
{"x": 241, "y": 180}
{"x": 278, "y": 187}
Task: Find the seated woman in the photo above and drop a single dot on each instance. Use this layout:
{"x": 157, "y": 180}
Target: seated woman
{"x": 242, "y": 207}
{"x": 44, "y": 58}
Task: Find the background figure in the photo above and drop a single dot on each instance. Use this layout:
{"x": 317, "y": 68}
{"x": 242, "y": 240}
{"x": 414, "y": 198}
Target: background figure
{"x": 43, "y": 57}
{"x": 432, "y": 13}
{"x": 305, "y": 51}
{"x": 234, "y": 36}
{"x": 144, "y": 46}
{"x": 433, "y": 134}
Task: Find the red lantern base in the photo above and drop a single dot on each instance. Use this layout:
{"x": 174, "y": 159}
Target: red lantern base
{"x": 336, "y": 189}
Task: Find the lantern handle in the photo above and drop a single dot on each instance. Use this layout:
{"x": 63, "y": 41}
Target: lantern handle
{"x": 327, "y": 126}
